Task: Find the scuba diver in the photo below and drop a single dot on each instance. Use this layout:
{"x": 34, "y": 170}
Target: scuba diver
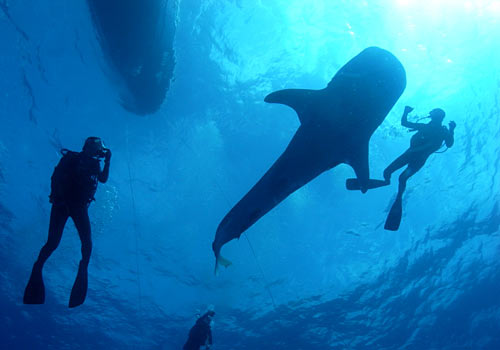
{"x": 73, "y": 185}
{"x": 428, "y": 139}
{"x": 201, "y": 333}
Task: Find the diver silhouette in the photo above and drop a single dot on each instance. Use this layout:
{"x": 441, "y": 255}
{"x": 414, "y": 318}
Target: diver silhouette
{"x": 201, "y": 333}
{"x": 428, "y": 139}
{"x": 73, "y": 185}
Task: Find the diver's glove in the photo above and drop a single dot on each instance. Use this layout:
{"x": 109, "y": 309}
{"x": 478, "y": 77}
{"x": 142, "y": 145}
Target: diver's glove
{"x": 107, "y": 155}
{"x": 452, "y": 125}
{"x": 408, "y": 109}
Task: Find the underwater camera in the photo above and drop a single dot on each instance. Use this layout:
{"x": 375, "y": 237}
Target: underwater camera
{"x": 102, "y": 152}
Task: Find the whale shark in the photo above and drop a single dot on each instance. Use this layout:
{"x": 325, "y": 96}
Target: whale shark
{"x": 336, "y": 124}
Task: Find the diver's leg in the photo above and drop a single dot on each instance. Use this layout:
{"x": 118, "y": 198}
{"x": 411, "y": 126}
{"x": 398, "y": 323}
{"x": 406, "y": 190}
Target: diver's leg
{"x": 395, "y": 214}
{"x": 412, "y": 169}
{"x": 81, "y": 219}
{"x": 58, "y": 217}
{"x": 403, "y": 179}
{"x": 35, "y": 289}
{"x": 398, "y": 163}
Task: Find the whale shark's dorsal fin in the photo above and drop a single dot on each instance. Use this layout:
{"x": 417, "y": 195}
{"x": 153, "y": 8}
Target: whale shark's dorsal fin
{"x": 298, "y": 99}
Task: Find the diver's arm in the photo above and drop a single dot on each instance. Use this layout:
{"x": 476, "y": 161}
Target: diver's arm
{"x": 450, "y": 135}
{"x": 104, "y": 174}
{"x": 406, "y": 123}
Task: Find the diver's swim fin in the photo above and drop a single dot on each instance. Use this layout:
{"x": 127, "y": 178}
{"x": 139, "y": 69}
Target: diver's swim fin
{"x": 35, "y": 290}
{"x": 79, "y": 290}
{"x": 394, "y": 218}
{"x": 353, "y": 184}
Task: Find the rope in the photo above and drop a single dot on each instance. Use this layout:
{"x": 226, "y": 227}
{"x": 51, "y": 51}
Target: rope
{"x": 261, "y": 271}
{"x": 266, "y": 284}
{"x": 136, "y": 232}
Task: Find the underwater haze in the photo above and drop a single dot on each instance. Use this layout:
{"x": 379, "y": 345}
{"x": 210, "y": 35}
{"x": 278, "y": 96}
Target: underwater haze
{"x": 317, "y": 272}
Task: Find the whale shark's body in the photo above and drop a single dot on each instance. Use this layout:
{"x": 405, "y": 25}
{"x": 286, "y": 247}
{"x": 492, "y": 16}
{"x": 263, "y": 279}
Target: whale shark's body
{"x": 336, "y": 125}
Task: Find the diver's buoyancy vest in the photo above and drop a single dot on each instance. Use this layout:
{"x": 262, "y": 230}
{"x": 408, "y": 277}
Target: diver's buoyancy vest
{"x": 74, "y": 180}
{"x": 430, "y": 139}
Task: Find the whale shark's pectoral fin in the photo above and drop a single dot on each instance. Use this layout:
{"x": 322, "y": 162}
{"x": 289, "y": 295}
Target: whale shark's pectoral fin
{"x": 359, "y": 162}
{"x": 362, "y": 182}
{"x": 298, "y": 99}
{"x": 354, "y": 185}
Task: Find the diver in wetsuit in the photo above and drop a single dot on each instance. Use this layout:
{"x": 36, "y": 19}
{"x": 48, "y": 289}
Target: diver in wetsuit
{"x": 73, "y": 185}
{"x": 428, "y": 139}
{"x": 201, "y": 334}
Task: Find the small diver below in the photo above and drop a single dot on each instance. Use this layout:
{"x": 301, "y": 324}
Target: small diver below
{"x": 201, "y": 333}
{"x": 73, "y": 185}
{"x": 428, "y": 140}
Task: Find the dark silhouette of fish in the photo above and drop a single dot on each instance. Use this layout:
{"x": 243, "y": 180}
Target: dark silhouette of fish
{"x": 336, "y": 125}
{"x": 137, "y": 39}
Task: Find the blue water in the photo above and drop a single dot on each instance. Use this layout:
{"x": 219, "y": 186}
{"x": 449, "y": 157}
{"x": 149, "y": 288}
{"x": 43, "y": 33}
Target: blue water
{"x": 325, "y": 274}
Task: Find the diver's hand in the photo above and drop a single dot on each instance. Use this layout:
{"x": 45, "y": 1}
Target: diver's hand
{"x": 107, "y": 155}
{"x": 408, "y": 109}
{"x": 452, "y": 125}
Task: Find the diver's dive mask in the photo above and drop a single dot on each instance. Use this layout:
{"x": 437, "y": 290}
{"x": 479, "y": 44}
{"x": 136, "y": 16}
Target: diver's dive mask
{"x": 437, "y": 114}
{"x": 94, "y": 147}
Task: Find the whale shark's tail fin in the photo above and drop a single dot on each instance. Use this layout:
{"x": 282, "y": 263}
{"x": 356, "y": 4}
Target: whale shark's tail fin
{"x": 298, "y": 99}
{"x": 220, "y": 260}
